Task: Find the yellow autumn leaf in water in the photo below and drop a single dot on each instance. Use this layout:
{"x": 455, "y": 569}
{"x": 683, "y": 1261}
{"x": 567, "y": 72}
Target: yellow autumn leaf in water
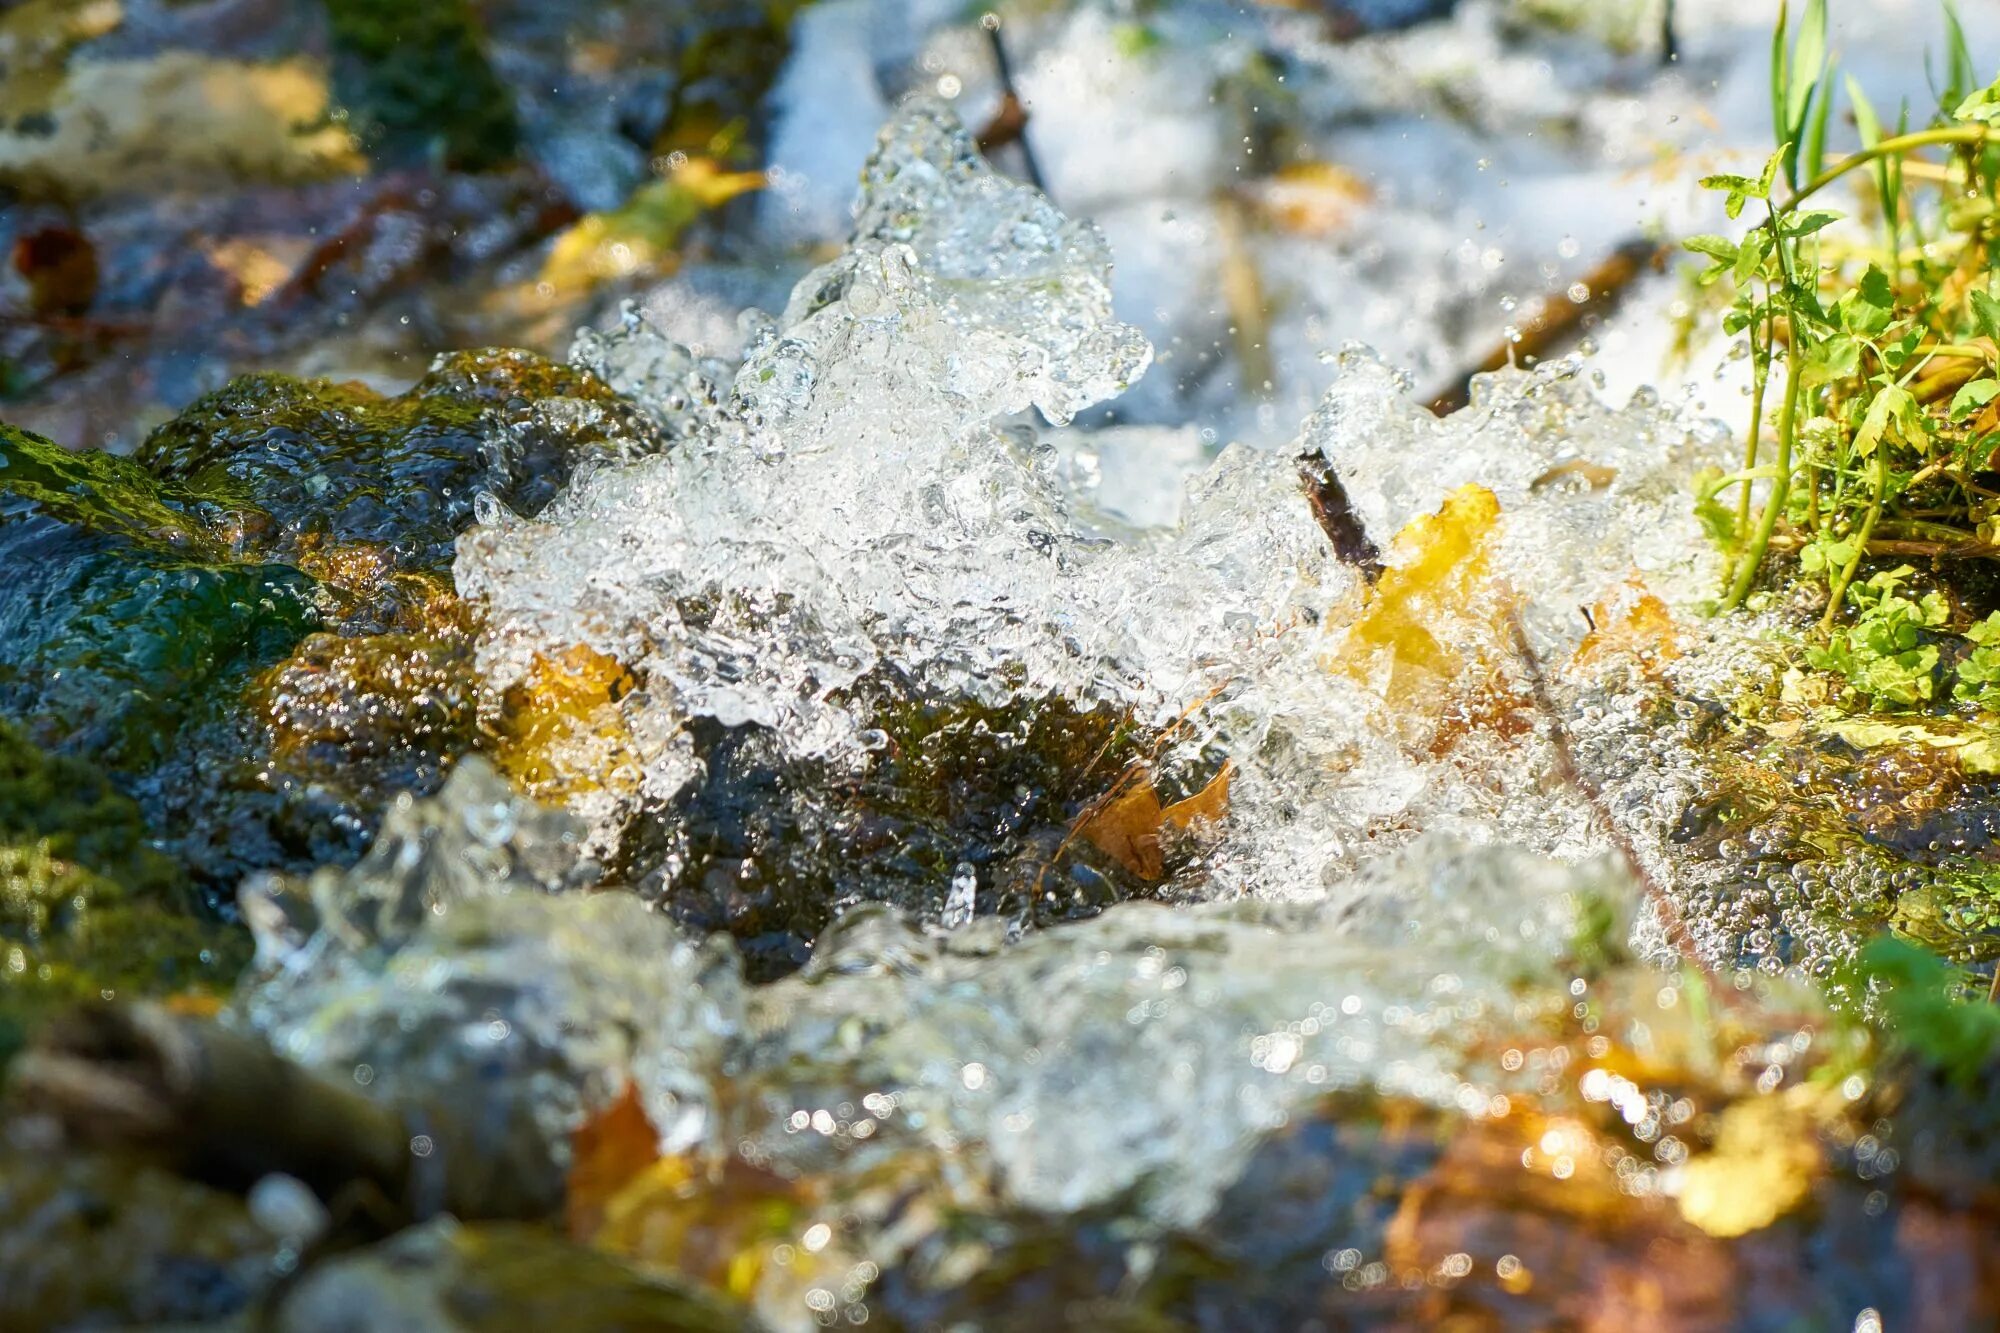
{"x": 1765, "y": 1159}
{"x": 560, "y": 731}
{"x": 641, "y": 233}
{"x": 1437, "y": 575}
{"x": 1310, "y": 198}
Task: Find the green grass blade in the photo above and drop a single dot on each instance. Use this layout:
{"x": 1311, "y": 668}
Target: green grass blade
{"x": 1779, "y": 129}
{"x": 1814, "y": 153}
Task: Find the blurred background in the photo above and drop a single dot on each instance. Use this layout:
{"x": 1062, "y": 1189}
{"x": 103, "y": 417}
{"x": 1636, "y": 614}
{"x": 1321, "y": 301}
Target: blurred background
{"x": 345, "y": 188}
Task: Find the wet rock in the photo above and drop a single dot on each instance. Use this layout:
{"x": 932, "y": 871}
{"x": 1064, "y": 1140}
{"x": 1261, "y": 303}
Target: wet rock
{"x": 100, "y": 1240}
{"x": 128, "y": 613}
{"x": 164, "y": 623}
{"x": 88, "y": 908}
{"x": 447, "y": 1278}
{"x": 458, "y": 963}
{"x": 311, "y": 469}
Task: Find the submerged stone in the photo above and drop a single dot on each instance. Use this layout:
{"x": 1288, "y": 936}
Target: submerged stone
{"x": 448, "y": 1278}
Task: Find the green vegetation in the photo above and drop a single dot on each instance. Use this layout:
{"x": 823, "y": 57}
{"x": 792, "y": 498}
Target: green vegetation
{"x": 87, "y": 906}
{"x": 1874, "y": 357}
{"x": 414, "y": 81}
{"x": 1875, "y": 429}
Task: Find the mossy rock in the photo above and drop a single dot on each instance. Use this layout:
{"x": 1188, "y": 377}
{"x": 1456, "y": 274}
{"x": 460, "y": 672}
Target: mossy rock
{"x": 771, "y": 849}
{"x": 96, "y": 1241}
{"x": 317, "y": 467}
{"x": 88, "y": 907}
{"x": 494, "y": 1278}
{"x": 415, "y": 83}
{"x": 164, "y": 619}
{"x": 124, "y": 613}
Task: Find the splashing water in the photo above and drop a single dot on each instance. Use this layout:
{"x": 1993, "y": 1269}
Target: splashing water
{"x": 1406, "y": 871}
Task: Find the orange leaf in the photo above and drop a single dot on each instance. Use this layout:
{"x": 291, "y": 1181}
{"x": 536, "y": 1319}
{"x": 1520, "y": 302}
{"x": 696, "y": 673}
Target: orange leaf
{"x": 1126, "y": 828}
{"x": 1208, "y": 805}
{"x": 606, "y": 1152}
{"x": 1640, "y": 627}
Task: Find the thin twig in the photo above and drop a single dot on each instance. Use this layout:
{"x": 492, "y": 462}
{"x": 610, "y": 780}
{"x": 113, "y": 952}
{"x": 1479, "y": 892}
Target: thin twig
{"x": 1655, "y": 893}
{"x": 1010, "y": 122}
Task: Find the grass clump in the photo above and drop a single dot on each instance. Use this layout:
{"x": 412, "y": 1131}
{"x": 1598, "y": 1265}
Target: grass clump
{"x": 1874, "y": 413}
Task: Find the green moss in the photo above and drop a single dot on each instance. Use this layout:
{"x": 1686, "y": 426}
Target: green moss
{"x": 124, "y": 614}
{"x": 415, "y": 82}
{"x": 88, "y": 907}
{"x": 313, "y": 465}
{"x": 96, "y": 1241}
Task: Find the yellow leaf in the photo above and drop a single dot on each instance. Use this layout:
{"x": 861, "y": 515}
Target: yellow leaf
{"x": 560, "y": 731}
{"x": 642, "y": 232}
{"x": 1637, "y": 626}
{"x": 1310, "y": 198}
{"x": 1436, "y": 577}
{"x": 1765, "y": 1159}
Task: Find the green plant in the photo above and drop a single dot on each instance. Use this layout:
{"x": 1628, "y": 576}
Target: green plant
{"x": 1888, "y": 654}
{"x": 1874, "y": 409}
{"x": 1919, "y": 995}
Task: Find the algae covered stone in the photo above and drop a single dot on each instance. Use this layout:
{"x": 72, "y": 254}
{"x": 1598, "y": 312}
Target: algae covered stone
{"x": 88, "y": 908}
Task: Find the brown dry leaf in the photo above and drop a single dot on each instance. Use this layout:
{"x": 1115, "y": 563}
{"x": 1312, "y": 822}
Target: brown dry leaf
{"x": 606, "y": 1153}
{"x": 1632, "y": 623}
{"x": 1209, "y": 805}
{"x": 1437, "y": 575}
{"x": 260, "y": 265}
{"x": 1128, "y": 826}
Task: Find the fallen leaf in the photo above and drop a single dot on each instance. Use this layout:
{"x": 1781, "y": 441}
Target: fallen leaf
{"x": 1436, "y": 578}
{"x": 607, "y": 1152}
{"x": 1763, "y": 1165}
{"x": 716, "y": 1224}
{"x": 560, "y": 731}
{"x": 1310, "y": 198}
{"x": 642, "y": 233}
{"x": 1209, "y": 805}
{"x": 1633, "y": 624}
{"x": 1128, "y": 827}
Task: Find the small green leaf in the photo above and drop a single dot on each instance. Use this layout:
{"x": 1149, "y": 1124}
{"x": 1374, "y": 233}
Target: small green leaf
{"x": 1889, "y": 407}
{"x": 1973, "y": 397}
{"x": 1806, "y": 224}
{"x": 1986, "y": 313}
{"x": 1875, "y": 289}
{"x": 1715, "y": 247}
{"x": 1743, "y": 185}
{"x": 1981, "y": 108}
{"x": 1835, "y": 358}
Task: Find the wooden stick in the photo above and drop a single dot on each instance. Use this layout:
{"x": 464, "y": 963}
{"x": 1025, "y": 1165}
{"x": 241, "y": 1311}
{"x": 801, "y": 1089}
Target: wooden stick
{"x": 1558, "y": 322}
